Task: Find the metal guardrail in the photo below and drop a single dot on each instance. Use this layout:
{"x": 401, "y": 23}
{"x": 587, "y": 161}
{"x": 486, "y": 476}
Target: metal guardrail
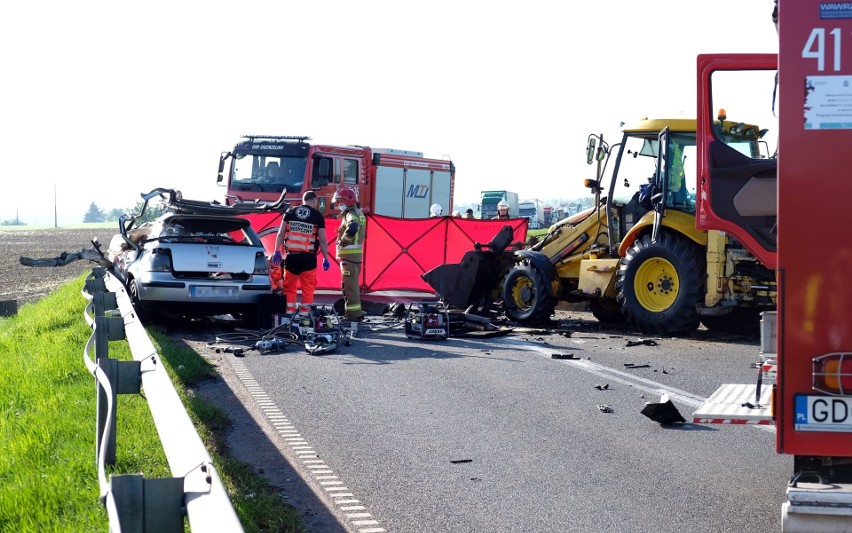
{"x": 135, "y": 504}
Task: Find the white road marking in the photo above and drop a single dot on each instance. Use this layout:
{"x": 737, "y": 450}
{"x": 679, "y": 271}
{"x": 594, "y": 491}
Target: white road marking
{"x": 335, "y": 492}
{"x": 619, "y": 376}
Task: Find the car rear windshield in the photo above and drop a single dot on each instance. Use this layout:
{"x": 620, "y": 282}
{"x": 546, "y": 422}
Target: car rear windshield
{"x": 233, "y": 231}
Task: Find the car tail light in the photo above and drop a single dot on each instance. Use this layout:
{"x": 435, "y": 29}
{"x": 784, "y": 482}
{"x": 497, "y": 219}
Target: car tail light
{"x": 832, "y": 373}
{"x": 261, "y": 267}
{"x": 160, "y": 260}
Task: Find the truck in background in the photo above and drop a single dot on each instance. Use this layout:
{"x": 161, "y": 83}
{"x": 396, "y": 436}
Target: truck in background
{"x": 534, "y": 211}
{"x": 490, "y": 199}
{"x": 807, "y": 346}
{"x": 548, "y": 215}
{"x": 389, "y": 182}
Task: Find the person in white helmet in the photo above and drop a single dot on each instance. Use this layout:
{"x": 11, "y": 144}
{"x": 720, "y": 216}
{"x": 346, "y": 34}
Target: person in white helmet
{"x": 502, "y": 211}
{"x": 435, "y": 210}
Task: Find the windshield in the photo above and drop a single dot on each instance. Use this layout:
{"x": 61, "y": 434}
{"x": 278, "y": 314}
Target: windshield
{"x": 638, "y": 166}
{"x": 268, "y": 173}
{"x": 681, "y": 172}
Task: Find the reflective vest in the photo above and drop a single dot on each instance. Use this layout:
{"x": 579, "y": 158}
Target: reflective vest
{"x": 300, "y": 237}
{"x": 350, "y": 248}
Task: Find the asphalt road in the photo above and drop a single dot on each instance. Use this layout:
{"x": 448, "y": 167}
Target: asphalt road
{"x": 494, "y": 434}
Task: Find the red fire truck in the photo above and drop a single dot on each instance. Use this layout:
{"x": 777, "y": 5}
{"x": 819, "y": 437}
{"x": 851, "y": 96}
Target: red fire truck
{"x": 809, "y": 341}
{"x": 390, "y": 182}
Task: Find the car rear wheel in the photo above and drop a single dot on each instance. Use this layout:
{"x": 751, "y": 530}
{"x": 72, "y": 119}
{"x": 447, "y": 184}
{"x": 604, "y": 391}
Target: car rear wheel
{"x": 133, "y": 291}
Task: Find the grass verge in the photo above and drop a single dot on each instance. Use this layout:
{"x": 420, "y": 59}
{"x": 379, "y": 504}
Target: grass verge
{"x": 48, "y": 475}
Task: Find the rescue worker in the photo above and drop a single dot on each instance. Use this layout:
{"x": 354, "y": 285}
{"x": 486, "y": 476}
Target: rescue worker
{"x": 502, "y": 211}
{"x": 350, "y": 241}
{"x": 469, "y": 213}
{"x": 302, "y": 231}
{"x": 435, "y": 210}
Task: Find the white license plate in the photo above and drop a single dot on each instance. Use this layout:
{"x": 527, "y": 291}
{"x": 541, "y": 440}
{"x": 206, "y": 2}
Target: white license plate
{"x": 219, "y": 293}
{"x": 433, "y": 331}
{"x": 823, "y": 413}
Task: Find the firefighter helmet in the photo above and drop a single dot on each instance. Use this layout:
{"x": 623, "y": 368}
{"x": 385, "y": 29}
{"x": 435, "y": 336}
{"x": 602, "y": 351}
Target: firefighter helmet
{"x": 347, "y": 196}
{"x": 502, "y": 205}
{"x": 435, "y": 210}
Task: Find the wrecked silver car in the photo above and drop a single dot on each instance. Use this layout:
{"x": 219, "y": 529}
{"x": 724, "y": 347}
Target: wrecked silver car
{"x": 195, "y": 259}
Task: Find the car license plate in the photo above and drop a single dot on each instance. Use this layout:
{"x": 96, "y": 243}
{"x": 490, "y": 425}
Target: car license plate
{"x": 434, "y": 331}
{"x": 823, "y": 413}
{"x": 219, "y": 293}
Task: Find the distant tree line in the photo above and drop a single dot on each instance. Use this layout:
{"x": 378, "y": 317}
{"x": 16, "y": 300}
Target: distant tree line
{"x": 96, "y": 214}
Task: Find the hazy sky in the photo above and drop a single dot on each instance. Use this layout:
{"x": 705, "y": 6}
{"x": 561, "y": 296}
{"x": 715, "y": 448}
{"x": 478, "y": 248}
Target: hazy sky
{"x": 105, "y": 100}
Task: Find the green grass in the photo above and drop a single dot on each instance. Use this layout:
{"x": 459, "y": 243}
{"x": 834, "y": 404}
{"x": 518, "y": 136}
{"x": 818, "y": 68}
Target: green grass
{"x": 48, "y": 475}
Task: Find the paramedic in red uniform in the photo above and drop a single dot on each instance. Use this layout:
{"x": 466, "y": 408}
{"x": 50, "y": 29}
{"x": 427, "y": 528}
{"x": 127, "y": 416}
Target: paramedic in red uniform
{"x": 302, "y": 231}
{"x": 350, "y": 241}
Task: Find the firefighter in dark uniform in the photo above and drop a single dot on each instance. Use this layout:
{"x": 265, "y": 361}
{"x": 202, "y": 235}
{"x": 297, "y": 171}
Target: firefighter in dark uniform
{"x": 302, "y": 231}
{"x": 350, "y": 250}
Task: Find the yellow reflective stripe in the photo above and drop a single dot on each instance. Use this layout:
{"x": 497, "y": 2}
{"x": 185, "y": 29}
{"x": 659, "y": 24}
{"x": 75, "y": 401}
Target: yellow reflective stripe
{"x": 352, "y": 307}
{"x": 347, "y": 250}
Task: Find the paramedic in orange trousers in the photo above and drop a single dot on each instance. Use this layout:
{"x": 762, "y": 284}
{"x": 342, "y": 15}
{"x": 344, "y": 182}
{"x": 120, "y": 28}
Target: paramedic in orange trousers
{"x": 302, "y": 231}
{"x": 350, "y": 241}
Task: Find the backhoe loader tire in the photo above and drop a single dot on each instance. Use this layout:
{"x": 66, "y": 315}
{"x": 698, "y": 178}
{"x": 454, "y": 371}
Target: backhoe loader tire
{"x": 526, "y": 294}
{"x": 658, "y": 285}
{"x": 606, "y": 310}
{"x": 740, "y": 321}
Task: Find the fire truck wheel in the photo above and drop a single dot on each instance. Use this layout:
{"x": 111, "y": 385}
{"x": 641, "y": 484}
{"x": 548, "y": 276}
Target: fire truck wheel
{"x": 740, "y": 321}
{"x": 659, "y": 284}
{"x": 526, "y": 294}
{"x": 606, "y": 310}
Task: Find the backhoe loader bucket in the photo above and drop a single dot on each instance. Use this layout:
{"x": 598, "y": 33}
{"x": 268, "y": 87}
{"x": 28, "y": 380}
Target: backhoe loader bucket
{"x": 480, "y": 272}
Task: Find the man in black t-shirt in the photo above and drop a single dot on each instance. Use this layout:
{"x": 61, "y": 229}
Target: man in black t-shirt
{"x": 302, "y": 231}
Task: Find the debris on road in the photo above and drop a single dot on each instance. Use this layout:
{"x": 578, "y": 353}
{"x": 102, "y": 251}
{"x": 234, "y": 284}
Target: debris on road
{"x": 602, "y": 387}
{"x": 633, "y": 365}
{"x": 563, "y": 356}
{"x": 663, "y": 412}
{"x": 642, "y": 342}
{"x": 605, "y": 409}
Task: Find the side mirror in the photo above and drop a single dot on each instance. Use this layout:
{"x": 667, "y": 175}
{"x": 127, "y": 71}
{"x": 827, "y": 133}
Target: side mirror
{"x": 590, "y": 150}
{"x": 324, "y": 169}
{"x": 222, "y": 158}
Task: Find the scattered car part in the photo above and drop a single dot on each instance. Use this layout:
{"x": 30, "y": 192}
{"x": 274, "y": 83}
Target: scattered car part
{"x": 663, "y": 412}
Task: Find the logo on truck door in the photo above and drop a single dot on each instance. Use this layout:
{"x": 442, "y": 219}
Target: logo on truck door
{"x": 417, "y": 191}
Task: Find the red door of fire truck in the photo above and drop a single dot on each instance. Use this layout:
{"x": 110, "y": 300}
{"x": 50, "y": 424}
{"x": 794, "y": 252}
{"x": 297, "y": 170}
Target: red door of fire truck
{"x": 814, "y": 407}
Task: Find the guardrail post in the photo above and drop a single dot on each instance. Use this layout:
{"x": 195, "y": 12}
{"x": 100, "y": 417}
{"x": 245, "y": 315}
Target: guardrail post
{"x": 104, "y": 302}
{"x": 123, "y": 376}
{"x": 95, "y": 281}
{"x": 148, "y": 505}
